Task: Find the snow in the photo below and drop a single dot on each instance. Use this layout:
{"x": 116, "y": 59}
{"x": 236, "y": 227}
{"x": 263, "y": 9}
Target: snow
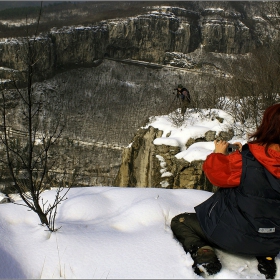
{"x": 214, "y": 9}
{"x": 115, "y": 233}
{"x": 258, "y": 18}
{"x": 16, "y": 23}
{"x": 166, "y": 141}
{"x": 197, "y": 151}
{"x": 163, "y": 171}
{"x": 195, "y": 126}
{"x": 108, "y": 233}
{"x": 128, "y": 83}
{"x": 2, "y": 81}
{"x": 3, "y": 197}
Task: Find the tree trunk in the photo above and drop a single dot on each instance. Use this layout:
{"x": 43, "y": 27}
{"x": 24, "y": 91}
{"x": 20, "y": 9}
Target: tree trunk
{"x": 41, "y": 214}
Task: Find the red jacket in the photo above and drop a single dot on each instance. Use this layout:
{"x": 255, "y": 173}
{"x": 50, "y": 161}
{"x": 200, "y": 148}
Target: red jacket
{"x": 225, "y": 170}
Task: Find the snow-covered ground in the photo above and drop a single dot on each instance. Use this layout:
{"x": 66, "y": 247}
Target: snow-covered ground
{"x": 115, "y": 233}
{"x": 195, "y": 126}
{"x": 108, "y": 233}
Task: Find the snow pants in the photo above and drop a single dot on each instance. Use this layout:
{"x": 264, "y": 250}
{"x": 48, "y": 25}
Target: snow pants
{"x": 187, "y": 230}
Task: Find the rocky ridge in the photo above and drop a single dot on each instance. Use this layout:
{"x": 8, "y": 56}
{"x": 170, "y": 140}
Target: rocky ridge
{"x": 147, "y": 37}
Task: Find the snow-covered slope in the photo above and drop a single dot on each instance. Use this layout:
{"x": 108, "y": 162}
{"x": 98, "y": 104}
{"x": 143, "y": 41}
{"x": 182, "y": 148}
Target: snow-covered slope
{"x": 108, "y": 233}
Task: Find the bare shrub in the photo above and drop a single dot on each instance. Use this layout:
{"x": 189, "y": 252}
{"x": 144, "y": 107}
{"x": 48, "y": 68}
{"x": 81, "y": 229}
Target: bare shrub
{"x": 28, "y": 136}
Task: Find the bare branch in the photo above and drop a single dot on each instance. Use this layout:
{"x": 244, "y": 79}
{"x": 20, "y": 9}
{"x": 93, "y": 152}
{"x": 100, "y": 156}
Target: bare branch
{"x": 28, "y": 156}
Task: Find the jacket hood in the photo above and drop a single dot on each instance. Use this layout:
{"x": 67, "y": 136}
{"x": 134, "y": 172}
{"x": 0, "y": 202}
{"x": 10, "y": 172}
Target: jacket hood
{"x": 272, "y": 162}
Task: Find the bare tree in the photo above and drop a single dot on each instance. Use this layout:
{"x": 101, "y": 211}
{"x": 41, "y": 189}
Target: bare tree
{"x": 256, "y": 84}
{"x": 29, "y": 156}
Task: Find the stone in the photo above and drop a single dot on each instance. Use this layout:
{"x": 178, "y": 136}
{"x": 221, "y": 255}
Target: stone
{"x": 140, "y": 169}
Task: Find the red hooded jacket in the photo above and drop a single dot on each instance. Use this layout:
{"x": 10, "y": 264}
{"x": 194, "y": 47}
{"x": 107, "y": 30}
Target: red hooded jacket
{"x": 225, "y": 170}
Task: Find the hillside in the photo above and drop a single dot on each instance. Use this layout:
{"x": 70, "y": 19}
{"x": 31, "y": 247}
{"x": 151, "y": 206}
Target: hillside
{"x": 108, "y": 76}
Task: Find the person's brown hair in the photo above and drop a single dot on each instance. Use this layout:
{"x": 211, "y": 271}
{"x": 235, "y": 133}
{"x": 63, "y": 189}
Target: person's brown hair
{"x": 269, "y": 131}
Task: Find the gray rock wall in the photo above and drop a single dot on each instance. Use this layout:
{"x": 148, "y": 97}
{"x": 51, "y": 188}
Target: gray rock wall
{"x": 143, "y": 163}
{"x": 146, "y": 37}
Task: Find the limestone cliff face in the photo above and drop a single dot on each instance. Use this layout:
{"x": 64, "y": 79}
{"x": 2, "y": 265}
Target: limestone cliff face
{"x": 225, "y": 32}
{"x": 137, "y": 169}
{"x": 146, "y": 37}
{"x": 147, "y": 165}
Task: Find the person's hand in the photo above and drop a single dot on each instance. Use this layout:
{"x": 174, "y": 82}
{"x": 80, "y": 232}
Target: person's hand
{"x": 221, "y": 146}
{"x": 239, "y": 146}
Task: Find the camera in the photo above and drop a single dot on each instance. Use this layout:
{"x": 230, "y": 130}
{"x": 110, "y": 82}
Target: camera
{"x": 232, "y": 148}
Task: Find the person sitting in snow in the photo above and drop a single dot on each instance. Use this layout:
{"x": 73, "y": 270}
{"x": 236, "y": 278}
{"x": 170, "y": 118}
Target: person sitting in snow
{"x": 185, "y": 98}
{"x": 243, "y": 216}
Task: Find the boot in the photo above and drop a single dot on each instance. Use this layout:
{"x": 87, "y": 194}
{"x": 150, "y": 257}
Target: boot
{"x": 267, "y": 266}
{"x": 205, "y": 260}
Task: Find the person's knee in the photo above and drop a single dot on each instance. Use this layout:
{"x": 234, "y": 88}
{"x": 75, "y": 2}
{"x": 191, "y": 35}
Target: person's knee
{"x": 179, "y": 219}
{"x": 174, "y": 221}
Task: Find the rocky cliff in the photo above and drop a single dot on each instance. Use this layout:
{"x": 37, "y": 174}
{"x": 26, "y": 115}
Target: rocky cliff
{"x": 148, "y": 164}
{"x": 231, "y": 28}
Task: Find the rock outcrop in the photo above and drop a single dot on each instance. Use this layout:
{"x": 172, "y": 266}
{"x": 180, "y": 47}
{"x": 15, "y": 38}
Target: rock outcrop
{"x": 145, "y": 164}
